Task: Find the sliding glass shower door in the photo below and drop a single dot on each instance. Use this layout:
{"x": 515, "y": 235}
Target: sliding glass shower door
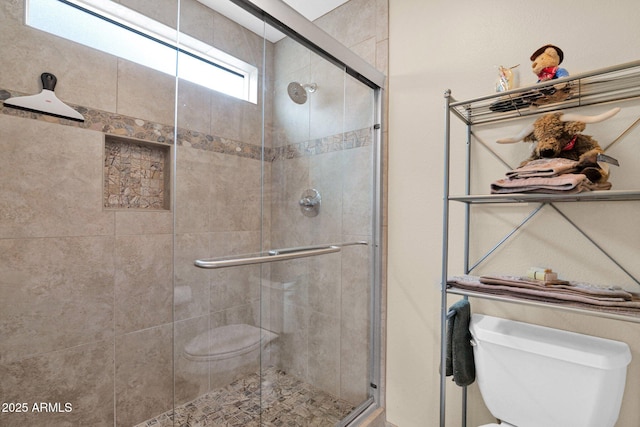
{"x": 275, "y": 242}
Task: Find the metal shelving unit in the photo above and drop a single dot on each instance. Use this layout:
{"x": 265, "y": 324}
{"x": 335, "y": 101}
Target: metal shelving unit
{"x": 617, "y": 83}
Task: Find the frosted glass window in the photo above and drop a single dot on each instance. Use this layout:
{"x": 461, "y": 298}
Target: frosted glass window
{"x": 117, "y": 30}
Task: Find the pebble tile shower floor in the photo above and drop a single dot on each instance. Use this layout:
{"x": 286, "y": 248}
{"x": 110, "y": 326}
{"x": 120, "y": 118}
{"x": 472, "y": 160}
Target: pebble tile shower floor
{"x": 282, "y": 401}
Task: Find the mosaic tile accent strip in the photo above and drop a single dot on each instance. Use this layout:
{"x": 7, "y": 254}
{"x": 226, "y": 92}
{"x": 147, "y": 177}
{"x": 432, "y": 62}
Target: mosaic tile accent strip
{"x": 220, "y": 145}
{"x": 134, "y": 175}
{"x": 283, "y": 400}
{"x": 339, "y": 142}
{"x": 119, "y": 125}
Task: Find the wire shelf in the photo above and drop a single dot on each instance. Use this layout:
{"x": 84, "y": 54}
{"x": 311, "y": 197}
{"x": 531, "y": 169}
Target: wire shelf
{"x": 611, "y": 84}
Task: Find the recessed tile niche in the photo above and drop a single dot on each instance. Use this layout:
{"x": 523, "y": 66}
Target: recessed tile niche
{"x": 136, "y": 174}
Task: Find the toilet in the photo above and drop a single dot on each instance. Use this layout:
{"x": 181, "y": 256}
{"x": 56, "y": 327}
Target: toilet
{"x": 232, "y": 351}
{"x": 534, "y": 376}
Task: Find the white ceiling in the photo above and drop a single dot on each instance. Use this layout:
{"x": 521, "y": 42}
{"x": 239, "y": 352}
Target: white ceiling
{"x": 310, "y": 9}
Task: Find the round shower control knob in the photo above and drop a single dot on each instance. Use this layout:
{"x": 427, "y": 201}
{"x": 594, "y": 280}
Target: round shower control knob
{"x": 310, "y": 202}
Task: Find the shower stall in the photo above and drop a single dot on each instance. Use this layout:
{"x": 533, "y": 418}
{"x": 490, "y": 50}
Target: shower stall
{"x": 205, "y": 247}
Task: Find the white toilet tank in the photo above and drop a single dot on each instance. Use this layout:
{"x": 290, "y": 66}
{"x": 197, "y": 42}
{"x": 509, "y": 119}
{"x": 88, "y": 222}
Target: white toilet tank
{"x": 533, "y": 376}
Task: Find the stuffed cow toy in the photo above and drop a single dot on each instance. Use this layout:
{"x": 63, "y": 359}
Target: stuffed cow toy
{"x": 559, "y": 135}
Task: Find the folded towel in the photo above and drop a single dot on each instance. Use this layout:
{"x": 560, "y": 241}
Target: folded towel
{"x": 561, "y": 286}
{"x": 576, "y": 294}
{"x": 544, "y": 167}
{"x": 567, "y": 183}
{"x": 460, "y": 361}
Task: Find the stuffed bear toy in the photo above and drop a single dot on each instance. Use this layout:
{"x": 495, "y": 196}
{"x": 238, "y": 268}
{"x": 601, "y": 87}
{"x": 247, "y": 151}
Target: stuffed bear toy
{"x": 545, "y": 63}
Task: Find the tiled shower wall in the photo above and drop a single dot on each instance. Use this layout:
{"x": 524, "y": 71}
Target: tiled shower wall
{"x": 87, "y": 292}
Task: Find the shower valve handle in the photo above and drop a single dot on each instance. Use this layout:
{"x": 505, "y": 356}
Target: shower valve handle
{"x": 310, "y": 202}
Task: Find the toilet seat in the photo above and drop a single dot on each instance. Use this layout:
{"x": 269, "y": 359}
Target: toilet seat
{"x": 226, "y": 342}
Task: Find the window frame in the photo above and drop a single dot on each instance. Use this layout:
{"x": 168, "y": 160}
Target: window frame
{"x": 185, "y": 47}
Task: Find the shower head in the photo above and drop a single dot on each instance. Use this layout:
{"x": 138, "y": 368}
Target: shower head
{"x": 298, "y": 92}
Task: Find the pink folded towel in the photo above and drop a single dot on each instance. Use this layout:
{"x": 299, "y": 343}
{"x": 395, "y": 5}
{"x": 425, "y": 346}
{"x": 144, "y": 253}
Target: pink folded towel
{"x": 544, "y": 167}
{"x": 565, "y": 183}
{"x": 548, "y": 176}
{"x": 577, "y": 294}
{"x": 560, "y": 286}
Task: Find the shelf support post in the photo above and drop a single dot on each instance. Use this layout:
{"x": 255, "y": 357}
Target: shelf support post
{"x": 445, "y": 255}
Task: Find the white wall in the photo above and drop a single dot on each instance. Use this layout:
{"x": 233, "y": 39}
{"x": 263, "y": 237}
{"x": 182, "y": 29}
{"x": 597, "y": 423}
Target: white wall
{"x": 436, "y": 45}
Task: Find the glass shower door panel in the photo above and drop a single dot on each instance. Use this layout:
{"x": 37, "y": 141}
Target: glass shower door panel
{"x": 323, "y": 153}
{"x": 307, "y": 375}
{"x": 286, "y": 340}
{"x": 218, "y": 207}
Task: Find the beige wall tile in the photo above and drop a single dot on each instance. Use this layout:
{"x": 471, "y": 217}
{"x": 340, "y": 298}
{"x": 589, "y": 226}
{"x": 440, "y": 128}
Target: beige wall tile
{"x": 326, "y": 174}
{"x": 233, "y": 287}
{"x": 292, "y": 279}
{"x": 382, "y": 64}
{"x": 324, "y": 284}
{"x": 382, "y": 19}
{"x": 197, "y": 20}
{"x": 357, "y": 191}
{"x": 51, "y": 180}
{"x": 355, "y": 348}
{"x": 290, "y": 56}
{"x": 80, "y": 376}
{"x": 324, "y": 352}
{"x": 56, "y": 293}
{"x": 289, "y": 179}
{"x": 234, "y": 243}
{"x": 234, "y": 119}
{"x": 236, "y": 197}
{"x": 143, "y": 376}
{"x": 143, "y": 281}
{"x": 165, "y": 14}
{"x": 194, "y": 177}
{"x": 194, "y": 107}
{"x": 143, "y": 222}
{"x": 191, "y": 377}
{"x": 191, "y": 298}
{"x": 327, "y": 103}
{"x": 230, "y": 37}
{"x": 13, "y": 10}
{"x": 272, "y": 308}
{"x": 340, "y": 23}
{"x": 145, "y": 93}
{"x": 294, "y": 340}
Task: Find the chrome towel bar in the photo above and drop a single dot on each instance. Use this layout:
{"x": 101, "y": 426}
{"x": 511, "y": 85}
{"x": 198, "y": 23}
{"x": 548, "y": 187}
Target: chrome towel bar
{"x": 274, "y": 255}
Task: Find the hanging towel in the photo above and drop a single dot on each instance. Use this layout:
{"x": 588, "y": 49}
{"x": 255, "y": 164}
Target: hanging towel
{"x": 460, "y": 362}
